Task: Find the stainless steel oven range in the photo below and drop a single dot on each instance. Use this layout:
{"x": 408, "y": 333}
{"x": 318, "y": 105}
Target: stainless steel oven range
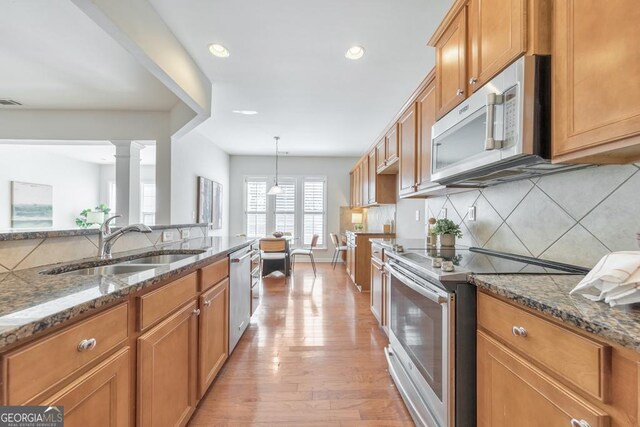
{"x": 431, "y": 352}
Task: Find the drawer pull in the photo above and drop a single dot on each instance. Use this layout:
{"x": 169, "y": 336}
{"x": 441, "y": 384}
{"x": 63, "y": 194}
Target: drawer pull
{"x": 207, "y": 303}
{"x": 579, "y": 423}
{"x": 87, "y": 345}
{"x": 196, "y": 312}
{"x": 519, "y": 331}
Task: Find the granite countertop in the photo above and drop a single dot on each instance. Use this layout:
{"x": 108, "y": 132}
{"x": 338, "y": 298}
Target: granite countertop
{"x": 23, "y": 234}
{"x": 31, "y": 302}
{"x": 408, "y": 244}
{"x": 549, "y": 294}
{"x": 368, "y": 232}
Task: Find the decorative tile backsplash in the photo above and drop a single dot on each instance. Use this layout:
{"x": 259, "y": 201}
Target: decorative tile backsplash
{"x": 28, "y": 253}
{"x": 378, "y": 216}
{"x": 574, "y": 217}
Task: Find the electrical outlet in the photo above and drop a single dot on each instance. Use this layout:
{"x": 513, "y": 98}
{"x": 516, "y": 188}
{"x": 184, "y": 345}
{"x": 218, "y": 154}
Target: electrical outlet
{"x": 185, "y": 233}
{"x": 443, "y": 213}
{"x": 184, "y": 245}
{"x": 471, "y": 216}
{"x": 167, "y": 236}
{"x": 418, "y": 215}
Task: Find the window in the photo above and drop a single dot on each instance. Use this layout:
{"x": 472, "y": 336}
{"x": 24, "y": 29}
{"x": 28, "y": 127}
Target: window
{"x": 313, "y": 210}
{"x": 299, "y": 210}
{"x": 148, "y": 203}
{"x": 256, "y": 207}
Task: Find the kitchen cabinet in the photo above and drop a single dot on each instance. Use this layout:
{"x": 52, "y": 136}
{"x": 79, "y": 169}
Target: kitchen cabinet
{"x": 408, "y": 135}
{"x": 369, "y": 188}
{"x": 477, "y": 39}
{"x": 102, "y": 396}
{"x": 387, "y": 152}
{"x": 595, "y": 68}
{"x": 364, "y": 182}
{"x": 451, "y": 64}
{"x": 359, "y": 257}
{"x": 533, "y": 370}
{"x": 371, "y": 165}
{"x": 426, "y": 119}
{"x": 167, "y": 370}
{"x": 214, "y": 334}
{"x": 511, "y": 391}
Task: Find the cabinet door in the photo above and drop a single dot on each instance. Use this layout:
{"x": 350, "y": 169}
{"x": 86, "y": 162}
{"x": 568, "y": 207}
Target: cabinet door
{"x": 351, "y": 190}
{"x": 364, "y": 184}
{"x": 596, "y": 64}
{"x": 167, "y": 374}
{"x": 392, "y": 145}
{"x": 451, "y": 76}
{"x": 214, "y": 333}
{"x": 101, "y": 397}
{"x": 372, "y": 177}
{"x": 408, "y": 144}
{"x": 427, "y": 118}
{"x": 356, "y": 187}
{"x": 381, "y": 155}
{"x": 376, "y": 289}
{"x": 513, "y": 392}
{"x": 498, "y": 36}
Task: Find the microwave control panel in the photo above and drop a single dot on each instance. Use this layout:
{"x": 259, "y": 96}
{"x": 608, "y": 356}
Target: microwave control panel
{"x": 510, "y": 109}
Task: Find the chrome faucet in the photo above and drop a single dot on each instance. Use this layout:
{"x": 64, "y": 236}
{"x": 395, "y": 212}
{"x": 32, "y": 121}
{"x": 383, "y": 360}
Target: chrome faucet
{"x": 106, "y": 239}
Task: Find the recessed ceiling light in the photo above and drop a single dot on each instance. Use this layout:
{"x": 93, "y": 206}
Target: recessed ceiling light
{"x": 355, "y": 52}
{"x": 245, "y": 112}
{"x": 218, "y": 50}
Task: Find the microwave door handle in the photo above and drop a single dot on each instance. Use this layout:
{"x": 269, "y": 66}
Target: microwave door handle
{"x": 439, "y": 299}
{"x": 493, "y": 99}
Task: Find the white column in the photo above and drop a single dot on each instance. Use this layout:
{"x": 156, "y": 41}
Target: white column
{"x": 128, "y": 181}
{"x": 163, "y": 181}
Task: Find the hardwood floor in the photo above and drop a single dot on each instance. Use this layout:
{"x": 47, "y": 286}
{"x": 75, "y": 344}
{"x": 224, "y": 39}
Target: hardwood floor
{"x": 312, "y": 356}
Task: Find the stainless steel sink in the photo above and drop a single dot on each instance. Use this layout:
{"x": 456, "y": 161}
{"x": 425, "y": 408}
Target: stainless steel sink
{"x": 159, "y": 259}
{"x": 110, "y": 270}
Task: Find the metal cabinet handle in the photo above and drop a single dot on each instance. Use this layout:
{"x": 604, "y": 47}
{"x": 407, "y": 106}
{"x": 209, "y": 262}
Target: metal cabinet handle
{"x": 207, "y": 303}
{"x": 87, "y": 345}
{"x": 460, "y": 92}
{"x": 519, "y": 331}
{"x": 196, "y": 312}
{"x": 473, "y": 81}
{"x": 490, "y": 142}
{"x": 579, "y": 423}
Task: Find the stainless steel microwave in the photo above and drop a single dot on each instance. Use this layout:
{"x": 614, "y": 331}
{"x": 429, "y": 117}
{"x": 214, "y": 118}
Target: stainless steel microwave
{"x": 500, "y": 133}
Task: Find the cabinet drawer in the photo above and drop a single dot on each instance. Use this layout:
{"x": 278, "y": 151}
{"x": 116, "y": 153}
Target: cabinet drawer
{"x": 158, "y": 304}
{"x": 577, "y": 360}
{"x": 213, "y": 273}
{"x": 38, "y": 367}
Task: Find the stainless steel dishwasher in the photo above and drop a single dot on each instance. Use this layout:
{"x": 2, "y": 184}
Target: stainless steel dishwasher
{"x": 239, "y": 294}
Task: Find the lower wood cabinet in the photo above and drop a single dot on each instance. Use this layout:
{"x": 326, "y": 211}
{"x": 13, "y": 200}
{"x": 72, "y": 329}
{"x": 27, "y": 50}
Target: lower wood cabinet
{"x": 511, "y": 391}
{"x": 167, "y": 371}
{"x": 214, "y": 334}
{"x": 101, "y": 397}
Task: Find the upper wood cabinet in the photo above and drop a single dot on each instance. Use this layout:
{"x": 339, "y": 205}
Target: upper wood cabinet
{"x": 479, "y": 38}
{"x": 371, "y": 161}
{"x": 364, "y": 181}
{"x": 497, "y": 32}
{"x": 596, "y": 64}
{"x": 408, "y": 135}
{"x": 451, "y": 64}
{"x": 388, "y": 148}
{"x": 426, "y": 103}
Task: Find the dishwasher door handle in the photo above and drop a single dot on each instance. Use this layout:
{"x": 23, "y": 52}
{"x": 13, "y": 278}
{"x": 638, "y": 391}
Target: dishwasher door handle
{"x": 237, "y": 260}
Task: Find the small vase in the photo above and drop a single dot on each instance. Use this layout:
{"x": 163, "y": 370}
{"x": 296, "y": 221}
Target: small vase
{"x": 447, "y": 240}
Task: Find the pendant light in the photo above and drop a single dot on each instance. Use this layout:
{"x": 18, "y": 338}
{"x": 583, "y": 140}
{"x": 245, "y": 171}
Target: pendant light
{"x": 276, "y": 189}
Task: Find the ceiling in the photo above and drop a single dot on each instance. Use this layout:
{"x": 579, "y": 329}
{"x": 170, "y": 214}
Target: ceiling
{"x": 100, "y": 152}
{"x": 54, "y": 57}
{"x": 287, "y": 62}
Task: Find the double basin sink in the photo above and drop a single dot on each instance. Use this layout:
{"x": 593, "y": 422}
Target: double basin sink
{"x": 131, "y": 266}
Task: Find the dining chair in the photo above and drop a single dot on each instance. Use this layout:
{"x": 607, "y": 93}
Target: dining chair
{"x": 306, "y": 251}
{"x": 273, "y": 249}
{"x": 338, "y": 249}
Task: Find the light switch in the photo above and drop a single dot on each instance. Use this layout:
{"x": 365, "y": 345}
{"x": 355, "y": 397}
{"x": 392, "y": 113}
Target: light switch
{"x": 443, "y": 213}
{"x": 185, "y": 233}
{"x": 418, "y": 215}
{"x": 471, "y": 216}
{"x": 167, "y": 236}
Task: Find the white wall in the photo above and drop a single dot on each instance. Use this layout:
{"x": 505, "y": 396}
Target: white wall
{"x": 192, "y": 156}
{"x": 76, "y": 184}
{"x": 336, "y": 169}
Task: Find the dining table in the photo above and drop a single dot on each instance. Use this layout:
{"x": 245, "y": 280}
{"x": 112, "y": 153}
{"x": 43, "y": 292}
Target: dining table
{"x": 271, "y": 265}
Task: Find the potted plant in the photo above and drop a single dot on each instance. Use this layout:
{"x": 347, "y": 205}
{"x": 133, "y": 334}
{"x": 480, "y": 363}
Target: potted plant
{"x": 448, "y": 231}
{"x": 85, "y": 220}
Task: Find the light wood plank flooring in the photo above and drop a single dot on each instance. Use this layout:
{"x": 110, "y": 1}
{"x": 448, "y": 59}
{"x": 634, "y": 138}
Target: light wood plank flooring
{"x": 312, "y": 356}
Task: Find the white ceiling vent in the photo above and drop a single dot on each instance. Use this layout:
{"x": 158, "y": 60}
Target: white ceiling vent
{"x": 5, "y": 101}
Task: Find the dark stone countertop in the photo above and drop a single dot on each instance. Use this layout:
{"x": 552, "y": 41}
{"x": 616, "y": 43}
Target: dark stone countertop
{"x": 549, "y": 294}
{"x": 31, "y": 302}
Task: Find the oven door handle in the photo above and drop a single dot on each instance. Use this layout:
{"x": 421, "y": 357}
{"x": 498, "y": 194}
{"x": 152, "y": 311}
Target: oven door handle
{"x": 433, "y": 296}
